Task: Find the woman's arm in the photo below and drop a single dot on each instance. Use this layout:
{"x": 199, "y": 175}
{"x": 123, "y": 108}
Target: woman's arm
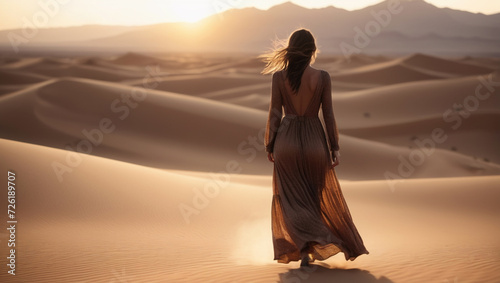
{"x": 275, "y": 115}
{"x": 327, "y": 109}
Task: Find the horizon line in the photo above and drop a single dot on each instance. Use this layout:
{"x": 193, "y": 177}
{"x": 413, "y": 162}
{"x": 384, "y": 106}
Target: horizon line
{"x": 288, "y": 2}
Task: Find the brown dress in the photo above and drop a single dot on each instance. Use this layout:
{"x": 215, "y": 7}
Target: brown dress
{"x": 308, "y": 209}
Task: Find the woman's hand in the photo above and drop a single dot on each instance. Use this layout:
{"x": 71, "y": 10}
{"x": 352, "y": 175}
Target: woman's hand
{"x": 336, "y": 155}
{"x": 270, "y": 156}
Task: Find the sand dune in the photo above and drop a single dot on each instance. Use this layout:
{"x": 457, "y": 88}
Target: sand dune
{"x": 91, "y": 72}
{"x": 114, "y": 221}
{"x": 478, "y": 136}
{"x": 444, "y": 66}
{"x": 137, "y": 59}
{"x": 385, "y": 73}
{"x": 213, "y": 133}
{"x": 26, "y": 63}
{"x": 19, "y": 78}
{"x": 55, "y": 67}
{"x": 107, "y": 63}
{"x": 361, "y": 160}
{"x": 241, "y": 92}
{"x": 356, "y": 60}
{"x": 493, "y": 63}
{"x": 427, "y": 211}
{"x": 253, "y": 100}
{"x": 423, "y": 107}
{"x": 6, "y": 89}
{"x": 203, "y": 84}
{"x": 7, "y": 60}
{"x": 408, "y": 69}
{"x": 251, "y": 63}
{"x": 177, "y": 63}
{"x": 415, "y": 100}
{"x": 165, "y": 130}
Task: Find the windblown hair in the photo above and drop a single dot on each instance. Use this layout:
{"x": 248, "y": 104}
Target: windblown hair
{"x": 294, "y": 58}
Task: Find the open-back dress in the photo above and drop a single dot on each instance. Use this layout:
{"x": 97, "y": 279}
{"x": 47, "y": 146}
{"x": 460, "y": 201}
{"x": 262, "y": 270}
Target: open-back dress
{"x": 308, "y": 208}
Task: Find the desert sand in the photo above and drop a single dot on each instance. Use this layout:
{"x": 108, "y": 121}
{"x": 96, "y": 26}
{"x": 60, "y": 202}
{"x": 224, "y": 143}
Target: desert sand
{"x": 151, "y": 168}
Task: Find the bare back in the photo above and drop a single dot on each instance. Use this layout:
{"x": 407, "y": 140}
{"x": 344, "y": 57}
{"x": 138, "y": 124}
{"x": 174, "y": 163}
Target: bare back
{"x": 308, "y": 88}
{"x": 314, "y": 92}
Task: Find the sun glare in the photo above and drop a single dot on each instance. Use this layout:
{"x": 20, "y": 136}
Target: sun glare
{"x": 191, "y": 11}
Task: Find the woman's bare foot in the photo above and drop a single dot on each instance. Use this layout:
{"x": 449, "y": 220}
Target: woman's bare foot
{"x": 306, "y": 259}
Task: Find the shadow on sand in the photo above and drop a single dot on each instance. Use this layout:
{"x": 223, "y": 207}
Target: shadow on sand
{"x": 324, "y": 273}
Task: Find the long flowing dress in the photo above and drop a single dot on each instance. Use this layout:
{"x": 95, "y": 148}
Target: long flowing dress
{"x": 308, "y": 209}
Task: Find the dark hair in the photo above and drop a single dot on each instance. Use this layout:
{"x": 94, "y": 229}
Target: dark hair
{"x": 294, "y": 58}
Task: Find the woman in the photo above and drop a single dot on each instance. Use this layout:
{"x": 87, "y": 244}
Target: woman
{"x": 310, "y": 219}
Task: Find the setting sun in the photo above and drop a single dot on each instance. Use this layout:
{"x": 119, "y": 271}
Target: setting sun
{"x": 190, "y": 11}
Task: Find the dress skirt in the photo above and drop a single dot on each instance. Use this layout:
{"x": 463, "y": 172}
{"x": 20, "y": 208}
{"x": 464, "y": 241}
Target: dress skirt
{"x": 309, "y": 212}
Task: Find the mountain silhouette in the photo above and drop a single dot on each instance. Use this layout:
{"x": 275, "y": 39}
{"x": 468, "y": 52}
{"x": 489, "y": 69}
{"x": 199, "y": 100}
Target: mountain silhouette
{"x": 410, "y": 26}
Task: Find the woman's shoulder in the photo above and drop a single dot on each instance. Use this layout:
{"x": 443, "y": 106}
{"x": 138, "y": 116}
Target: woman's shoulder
{"x": 323, "y": 72}
{"x": 277, "y": 78}
{"x": 320, "y": 72}
{"x": 324, "y": 77}
{"x": 277, "y": 74}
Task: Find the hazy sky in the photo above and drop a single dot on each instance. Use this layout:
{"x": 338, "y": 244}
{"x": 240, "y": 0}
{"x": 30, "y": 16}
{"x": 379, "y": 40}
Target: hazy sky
{"x": 16, "y": 13}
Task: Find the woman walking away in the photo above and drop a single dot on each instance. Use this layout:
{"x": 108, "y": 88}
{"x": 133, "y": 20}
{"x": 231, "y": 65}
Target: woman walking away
{"x": 310, "y": 218}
